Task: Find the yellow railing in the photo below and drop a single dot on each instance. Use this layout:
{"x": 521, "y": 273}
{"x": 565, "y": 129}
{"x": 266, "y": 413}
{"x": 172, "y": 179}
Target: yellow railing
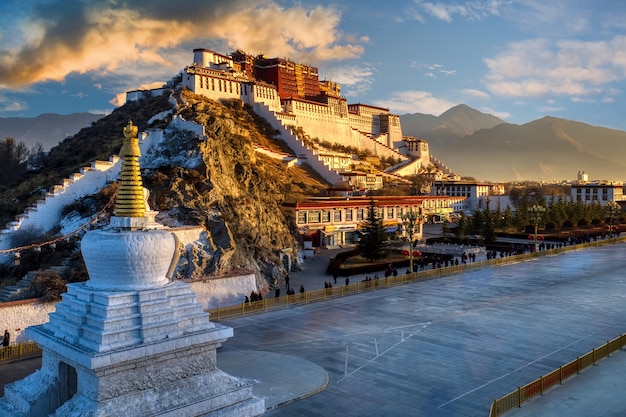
{"x": 266, "y": 304}
{"x": 557, "y": 376}
{"x": 19, "y": 351}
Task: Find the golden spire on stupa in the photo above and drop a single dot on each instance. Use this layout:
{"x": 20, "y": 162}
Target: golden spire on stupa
{"x": 130, "y": 197}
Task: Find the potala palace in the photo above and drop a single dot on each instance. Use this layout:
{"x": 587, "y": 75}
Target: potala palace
{"x": 299, "y": 106}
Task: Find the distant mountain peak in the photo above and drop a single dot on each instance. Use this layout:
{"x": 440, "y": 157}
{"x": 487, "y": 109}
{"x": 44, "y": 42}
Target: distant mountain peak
{"x": 456, "y": 122}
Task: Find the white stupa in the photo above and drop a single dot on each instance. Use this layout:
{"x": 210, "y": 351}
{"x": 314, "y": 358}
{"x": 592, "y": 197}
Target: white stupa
{"x": 129, "y": 342}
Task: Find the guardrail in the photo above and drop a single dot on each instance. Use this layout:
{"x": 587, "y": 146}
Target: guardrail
{"x": 267, "y": 304}
{"x": 19, "y": 351}
{"x": 557, "y": 376}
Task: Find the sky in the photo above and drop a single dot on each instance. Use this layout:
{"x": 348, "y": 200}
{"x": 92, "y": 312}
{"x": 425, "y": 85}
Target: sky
{"x": 518, "y": 60}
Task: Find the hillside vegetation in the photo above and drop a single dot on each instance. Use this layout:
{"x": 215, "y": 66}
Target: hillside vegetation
{"x": 218, "y": 182}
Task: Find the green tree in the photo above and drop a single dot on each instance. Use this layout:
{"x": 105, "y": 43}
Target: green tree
{"x": 373, "y": 243}
{"x": 460, "y": 230}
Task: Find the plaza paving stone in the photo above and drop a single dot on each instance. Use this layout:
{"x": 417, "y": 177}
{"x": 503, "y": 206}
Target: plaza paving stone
{"x": 450, "y": 346}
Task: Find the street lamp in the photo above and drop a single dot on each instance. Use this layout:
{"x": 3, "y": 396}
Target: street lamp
{"x": 612, "y": 210}
{"x": 411, "y": 221}
{"x": 536, "y": 214}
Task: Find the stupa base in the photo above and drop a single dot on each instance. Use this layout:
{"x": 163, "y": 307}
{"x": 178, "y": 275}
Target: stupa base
{"x": 183, "y": 381}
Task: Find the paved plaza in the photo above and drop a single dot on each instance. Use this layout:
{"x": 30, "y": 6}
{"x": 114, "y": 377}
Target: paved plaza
{"x": 448, "y": 347}
{"x": 444, "y": 347}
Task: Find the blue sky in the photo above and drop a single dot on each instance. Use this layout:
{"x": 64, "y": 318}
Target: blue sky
{"x": 519, "y": 60}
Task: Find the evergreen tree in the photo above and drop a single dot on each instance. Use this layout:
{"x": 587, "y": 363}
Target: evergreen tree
{"x": 373, "y": 243}
{"x": 461, "y": 227}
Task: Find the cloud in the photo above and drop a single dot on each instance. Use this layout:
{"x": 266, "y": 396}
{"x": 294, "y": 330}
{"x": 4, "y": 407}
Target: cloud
{"x": 73, "y": 36}
{"x": 432, "y": 70}
{"x": 355, "y": 79}
{"x": 11, "y": 105}
{"x": 402, "y": 102}
{"x": 120, "y": 98}
{"x": 475, "y": 93}
{"x": 568, "y": 68}
{"x": 469, "y": 10}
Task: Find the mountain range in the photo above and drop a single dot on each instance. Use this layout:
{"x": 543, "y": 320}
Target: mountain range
{"x": 482, "y": 146}
{"x": 47, "y": 128}
{"x": 470, "y": 142}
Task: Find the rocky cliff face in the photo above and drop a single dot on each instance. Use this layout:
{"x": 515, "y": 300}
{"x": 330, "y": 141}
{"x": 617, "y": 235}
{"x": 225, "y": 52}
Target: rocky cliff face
{"x": 219, "y": 182}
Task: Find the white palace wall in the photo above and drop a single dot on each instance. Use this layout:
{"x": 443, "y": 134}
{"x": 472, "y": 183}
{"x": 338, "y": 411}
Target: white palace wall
{"x": 296, "y": 145}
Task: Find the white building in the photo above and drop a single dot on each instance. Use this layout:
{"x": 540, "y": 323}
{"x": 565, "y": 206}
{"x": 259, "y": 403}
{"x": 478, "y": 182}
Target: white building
{"x": 598, "y": 192}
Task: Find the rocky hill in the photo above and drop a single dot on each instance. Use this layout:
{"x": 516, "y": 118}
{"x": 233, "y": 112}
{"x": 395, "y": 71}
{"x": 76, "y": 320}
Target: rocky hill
{"x": 548, "y": 149}
{"x": 217, "y": 181}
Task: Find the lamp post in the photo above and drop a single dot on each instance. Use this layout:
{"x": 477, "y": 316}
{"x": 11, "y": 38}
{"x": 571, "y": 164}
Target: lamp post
{"x": 411, "y": 221}
{"x": 612, "y": 209}
{"x": 536, "y": 214}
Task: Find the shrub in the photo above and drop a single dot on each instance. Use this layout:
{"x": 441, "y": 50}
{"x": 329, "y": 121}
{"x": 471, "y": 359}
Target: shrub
{"x": 26, "y": 235}
{"x": 583, "y": 222}
{"x": 568, "y": 223}
{"x": 550, "y": 226}
{"x": 49, "y": 285}
{"x": 596, "y": 222}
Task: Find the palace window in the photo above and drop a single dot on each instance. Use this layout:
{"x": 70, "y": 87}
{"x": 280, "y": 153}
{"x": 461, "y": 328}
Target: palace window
{"x": 337, "y": 216}
{"x": 314, "y": 216}
{"x": 359, "y": 214}
{"x": 325, "y": 216}
{"x": 302, "y": 217}
{"x": 348, "y": 215}
{"x": 390, "y": 212}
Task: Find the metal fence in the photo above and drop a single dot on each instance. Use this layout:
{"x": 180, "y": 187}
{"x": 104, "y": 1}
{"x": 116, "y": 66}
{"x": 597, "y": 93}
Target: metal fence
{"x": 267, "y": 304}
{"x": 557, "y": 376}
{"x": 18, "y": 351}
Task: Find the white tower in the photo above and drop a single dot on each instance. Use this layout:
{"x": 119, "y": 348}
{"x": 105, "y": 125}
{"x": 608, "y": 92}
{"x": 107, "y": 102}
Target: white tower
{"x": 129, "y": 342}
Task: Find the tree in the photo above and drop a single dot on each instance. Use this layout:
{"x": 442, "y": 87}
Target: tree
{"x": 373, "y": 243}
{"x": 13, "y": 156}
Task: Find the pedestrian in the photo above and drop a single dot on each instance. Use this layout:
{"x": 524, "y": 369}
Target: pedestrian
{"x": 287, "y": 281}
{"x": 335, "y": 276}
{"x": 277, "y": 292}
{"x": 7, "y": 339}
{"x": 301, "y": 289}
{"x": 347, "y": 280}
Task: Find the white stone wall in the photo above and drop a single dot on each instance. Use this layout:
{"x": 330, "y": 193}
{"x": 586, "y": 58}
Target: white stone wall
{"x": 46, "y": 213}
{"x": 18, "y": 315}
{"x": 301, "y": 151}
{"x": 216, "y": 292}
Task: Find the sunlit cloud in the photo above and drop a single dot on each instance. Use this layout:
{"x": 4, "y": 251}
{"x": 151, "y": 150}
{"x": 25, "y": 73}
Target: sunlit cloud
{"x": 120, "y": 98}
{"x": 66, "y": 36}
{"x": 569, "y": 68}
{"x": 402, "y": 102}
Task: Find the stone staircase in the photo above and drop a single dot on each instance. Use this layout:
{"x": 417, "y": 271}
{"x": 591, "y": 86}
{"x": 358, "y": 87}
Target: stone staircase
{"x": 21, "y": 290}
